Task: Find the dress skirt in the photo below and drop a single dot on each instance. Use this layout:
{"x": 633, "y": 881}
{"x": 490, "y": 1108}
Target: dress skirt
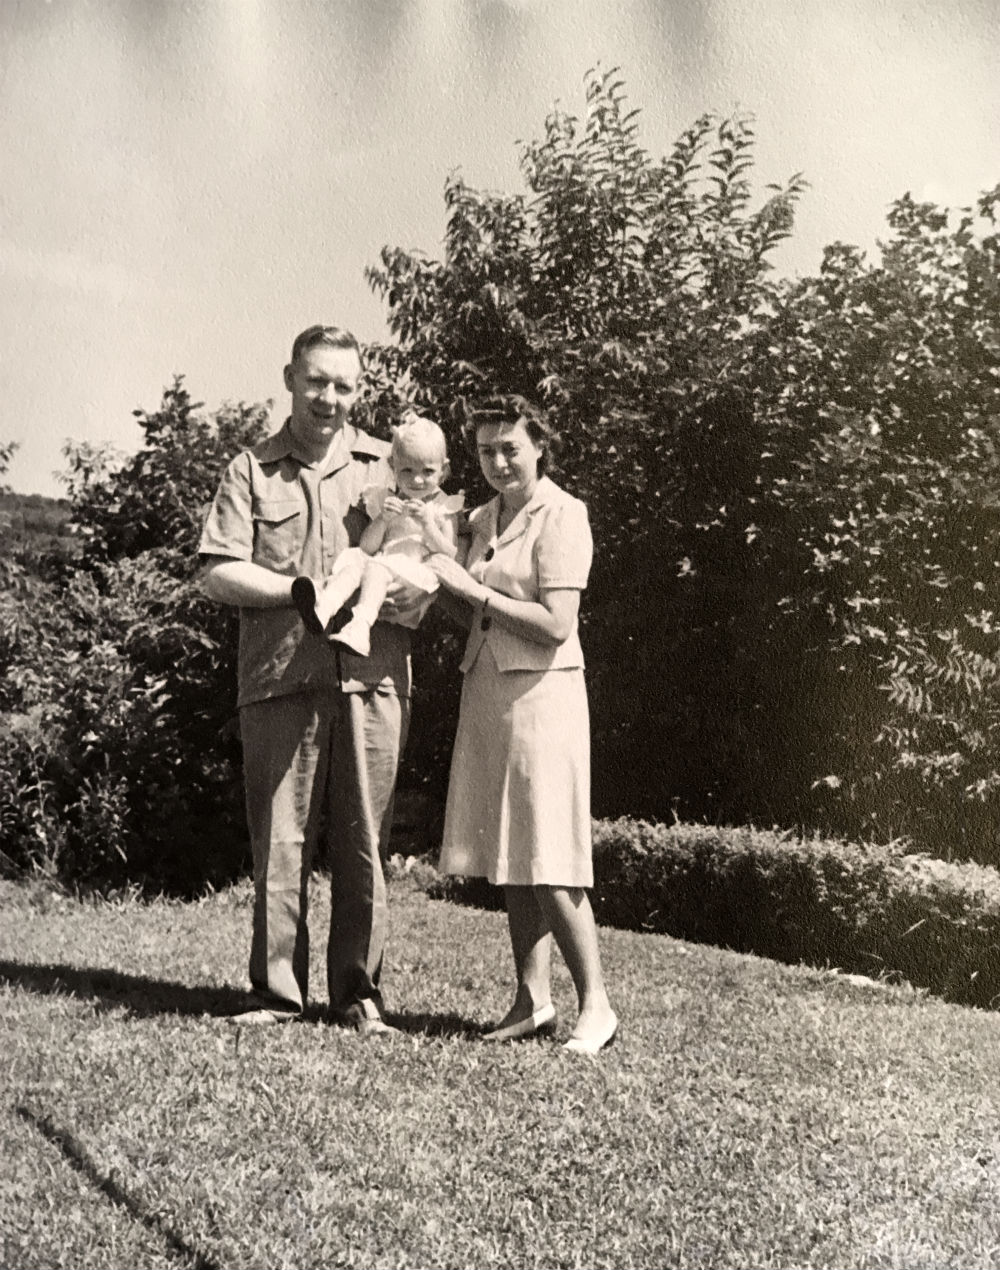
{"x": 518, "y": 809}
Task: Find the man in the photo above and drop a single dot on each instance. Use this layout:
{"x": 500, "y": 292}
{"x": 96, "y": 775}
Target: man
{"x": 322, "y": 728}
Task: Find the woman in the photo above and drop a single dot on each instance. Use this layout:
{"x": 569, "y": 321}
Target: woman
{"x": 518, "y": 809}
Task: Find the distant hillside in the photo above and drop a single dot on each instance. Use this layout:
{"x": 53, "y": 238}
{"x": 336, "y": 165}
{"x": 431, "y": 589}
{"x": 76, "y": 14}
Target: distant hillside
{"x": 33, "y": 526}
{"x": 24, "y": 515}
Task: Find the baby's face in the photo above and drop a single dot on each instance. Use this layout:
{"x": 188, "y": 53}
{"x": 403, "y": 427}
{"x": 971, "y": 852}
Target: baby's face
{"x": 419, "y": 470}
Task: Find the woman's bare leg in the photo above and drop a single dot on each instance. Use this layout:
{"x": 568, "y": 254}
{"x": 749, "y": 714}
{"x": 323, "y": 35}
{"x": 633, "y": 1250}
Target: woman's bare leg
{"x": 531, "y": 944}
{"x": 567, "y": 913}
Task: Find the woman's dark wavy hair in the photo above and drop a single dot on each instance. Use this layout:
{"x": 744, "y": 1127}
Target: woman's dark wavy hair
{"x": 508, "y": 408}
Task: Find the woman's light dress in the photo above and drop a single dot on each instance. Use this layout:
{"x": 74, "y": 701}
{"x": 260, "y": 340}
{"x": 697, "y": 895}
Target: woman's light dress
{"x": 518, "y": 810}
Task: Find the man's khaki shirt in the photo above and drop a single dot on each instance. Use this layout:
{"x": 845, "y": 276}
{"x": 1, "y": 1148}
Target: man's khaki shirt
{"x": 276, "y": 508}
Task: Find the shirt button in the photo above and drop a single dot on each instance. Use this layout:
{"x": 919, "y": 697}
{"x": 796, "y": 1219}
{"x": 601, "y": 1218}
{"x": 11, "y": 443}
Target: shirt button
{"x": 489, "y": 553}
{"x": 486, "y": 623}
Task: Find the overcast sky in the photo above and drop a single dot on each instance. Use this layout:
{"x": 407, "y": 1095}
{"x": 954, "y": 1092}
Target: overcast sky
{"x": 187, "y": 183}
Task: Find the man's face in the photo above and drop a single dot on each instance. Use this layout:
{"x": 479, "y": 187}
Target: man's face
{"x": 324, "y": 383}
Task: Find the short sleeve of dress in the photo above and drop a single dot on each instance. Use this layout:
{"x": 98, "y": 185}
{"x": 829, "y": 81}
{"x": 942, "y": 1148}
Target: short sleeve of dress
{"x": 228, "y": 527}
{"x": 453, "y": 504}
{"x": 373, "y": 498}
{"x": 565, "y": 547}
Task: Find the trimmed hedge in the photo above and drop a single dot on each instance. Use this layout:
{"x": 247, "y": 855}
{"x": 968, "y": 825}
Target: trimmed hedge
{"x": 867, "y": 909}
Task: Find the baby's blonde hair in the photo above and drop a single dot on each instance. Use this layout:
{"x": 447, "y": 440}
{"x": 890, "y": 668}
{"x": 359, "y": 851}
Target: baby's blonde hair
{"x": 415, "y": 430}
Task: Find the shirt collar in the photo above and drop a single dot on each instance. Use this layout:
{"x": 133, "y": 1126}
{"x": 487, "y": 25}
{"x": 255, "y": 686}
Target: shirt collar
{"x": 281, "y": 445}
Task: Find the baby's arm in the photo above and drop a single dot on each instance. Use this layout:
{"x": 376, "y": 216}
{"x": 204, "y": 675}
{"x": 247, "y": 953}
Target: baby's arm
{"x": 373, "y": 535}
{"x": 440, "y": 532}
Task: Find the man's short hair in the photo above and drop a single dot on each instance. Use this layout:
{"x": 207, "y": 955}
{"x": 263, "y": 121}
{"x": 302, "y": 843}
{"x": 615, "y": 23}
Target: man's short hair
{"x": 331, "y": 336}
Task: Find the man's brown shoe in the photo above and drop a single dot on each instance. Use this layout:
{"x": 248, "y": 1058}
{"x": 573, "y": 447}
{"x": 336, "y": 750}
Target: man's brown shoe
{"x": 366, "y": 1019}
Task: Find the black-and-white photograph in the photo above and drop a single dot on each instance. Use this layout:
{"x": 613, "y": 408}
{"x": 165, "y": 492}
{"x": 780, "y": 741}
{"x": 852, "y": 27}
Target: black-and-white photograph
{"x": 500, "y": 634}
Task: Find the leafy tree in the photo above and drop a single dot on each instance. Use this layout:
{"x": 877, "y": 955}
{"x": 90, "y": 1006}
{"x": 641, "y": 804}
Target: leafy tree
{"x": 7, "y": 451}
{"x": 792, "y": 483}
{"x": 157, "y": 498}
{"x": 626, "y": 293}
{"x": 890, "y": 401}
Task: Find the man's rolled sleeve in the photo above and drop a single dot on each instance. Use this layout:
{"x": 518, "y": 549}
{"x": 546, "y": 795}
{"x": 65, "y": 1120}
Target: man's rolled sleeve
{"x": 229, "y": 525}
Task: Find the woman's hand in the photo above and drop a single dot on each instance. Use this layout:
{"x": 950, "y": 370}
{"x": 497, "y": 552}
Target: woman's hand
{"x": 457, "y": 580}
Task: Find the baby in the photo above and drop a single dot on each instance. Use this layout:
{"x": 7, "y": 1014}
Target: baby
{"x": 417, "y": 521}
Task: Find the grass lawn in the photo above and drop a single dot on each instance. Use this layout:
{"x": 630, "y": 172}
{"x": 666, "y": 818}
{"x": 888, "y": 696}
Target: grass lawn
{"x": 751, "y": 1114}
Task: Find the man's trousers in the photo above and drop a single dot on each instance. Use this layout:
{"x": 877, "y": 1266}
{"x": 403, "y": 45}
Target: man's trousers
{"x": 320, "y": 771}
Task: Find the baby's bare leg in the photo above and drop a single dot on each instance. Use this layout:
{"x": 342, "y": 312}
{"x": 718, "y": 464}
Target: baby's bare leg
{"x": 374, "y": 585}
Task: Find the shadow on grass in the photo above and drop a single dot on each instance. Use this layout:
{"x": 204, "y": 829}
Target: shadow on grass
{"x": 432, "y": 1025}
{"x": 78, "y": 1159}
{"x": 113, "y": 989}
{"x": 144, "y": 997}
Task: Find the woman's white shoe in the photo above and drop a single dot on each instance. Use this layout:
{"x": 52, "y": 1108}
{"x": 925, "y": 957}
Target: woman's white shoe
{"x": 542, "y": 1018}
{"x": 594, "y": 1044}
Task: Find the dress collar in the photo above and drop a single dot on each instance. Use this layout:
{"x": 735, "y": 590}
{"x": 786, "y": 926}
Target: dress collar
{"x": 541, "y": 497}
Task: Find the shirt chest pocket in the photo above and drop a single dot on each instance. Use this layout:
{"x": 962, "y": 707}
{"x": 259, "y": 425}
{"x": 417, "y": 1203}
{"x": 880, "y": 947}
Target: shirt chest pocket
{"x": 278, "y": 533}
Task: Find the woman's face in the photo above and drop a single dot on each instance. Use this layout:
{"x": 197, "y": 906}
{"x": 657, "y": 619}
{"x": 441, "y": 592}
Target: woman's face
{"x": 509, "y": 459}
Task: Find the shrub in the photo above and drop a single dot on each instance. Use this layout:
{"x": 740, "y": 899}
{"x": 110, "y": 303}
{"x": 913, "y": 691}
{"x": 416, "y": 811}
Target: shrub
{"x": 873, "y": 910}
{"x": 116, "y": 717}
{"x": 118, "y": 743}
